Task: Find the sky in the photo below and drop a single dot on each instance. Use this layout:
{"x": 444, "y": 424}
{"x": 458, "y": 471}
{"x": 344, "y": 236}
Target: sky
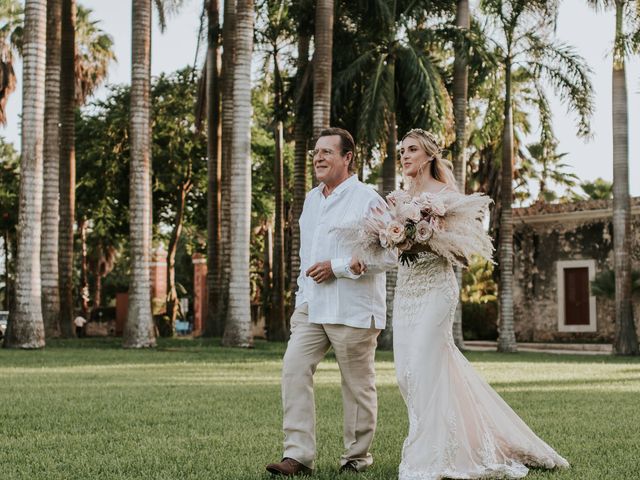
{"x": 590, "y": 33}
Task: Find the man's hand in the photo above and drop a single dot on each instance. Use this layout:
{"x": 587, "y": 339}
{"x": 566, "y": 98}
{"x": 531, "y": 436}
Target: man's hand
{"x": 357, "y": 266}
{"x": 320, "y": 272}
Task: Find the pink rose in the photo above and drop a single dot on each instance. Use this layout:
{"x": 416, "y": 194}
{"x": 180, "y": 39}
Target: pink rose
{"x": 424, "y": 231}
{"x": 395, "y": 232}
{"x": 430, "y": 203}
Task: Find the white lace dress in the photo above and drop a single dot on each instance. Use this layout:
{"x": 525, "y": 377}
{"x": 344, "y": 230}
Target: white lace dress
{"x": 459, "y": 427}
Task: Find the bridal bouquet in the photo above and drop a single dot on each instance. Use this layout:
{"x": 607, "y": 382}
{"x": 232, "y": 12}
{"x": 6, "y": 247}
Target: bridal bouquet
{"x": 448, "y": 224}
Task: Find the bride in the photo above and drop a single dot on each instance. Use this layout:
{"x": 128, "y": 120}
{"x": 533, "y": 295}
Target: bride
{"x": 459, "y": 427}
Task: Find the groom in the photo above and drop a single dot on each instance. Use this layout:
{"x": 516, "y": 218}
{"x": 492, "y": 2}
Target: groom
{"x": 334, "y": 308}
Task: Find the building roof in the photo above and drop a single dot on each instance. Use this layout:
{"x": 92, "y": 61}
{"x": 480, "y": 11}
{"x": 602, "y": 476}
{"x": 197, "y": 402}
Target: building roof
{"x": 587, "y": 210}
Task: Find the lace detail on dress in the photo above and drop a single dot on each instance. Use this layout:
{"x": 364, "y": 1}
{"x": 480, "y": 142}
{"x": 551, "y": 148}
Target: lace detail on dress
{"x": 429, "y": 272}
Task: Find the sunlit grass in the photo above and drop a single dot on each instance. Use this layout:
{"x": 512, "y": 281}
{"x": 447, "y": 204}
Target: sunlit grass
{"x": 86, "y": 409}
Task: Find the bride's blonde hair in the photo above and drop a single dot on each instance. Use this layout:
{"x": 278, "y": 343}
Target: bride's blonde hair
{"x": 441, "y": 169}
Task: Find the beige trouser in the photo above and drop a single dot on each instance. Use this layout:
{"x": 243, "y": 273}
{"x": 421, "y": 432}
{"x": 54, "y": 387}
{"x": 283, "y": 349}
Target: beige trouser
{"x": 355, "y": 350}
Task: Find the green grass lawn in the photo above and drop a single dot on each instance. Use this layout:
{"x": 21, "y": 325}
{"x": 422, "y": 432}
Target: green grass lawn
{"x": 86, "y": 409}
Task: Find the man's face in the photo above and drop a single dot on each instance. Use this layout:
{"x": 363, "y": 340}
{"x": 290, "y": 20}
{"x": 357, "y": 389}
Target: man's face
{"x": 330, "y": 166}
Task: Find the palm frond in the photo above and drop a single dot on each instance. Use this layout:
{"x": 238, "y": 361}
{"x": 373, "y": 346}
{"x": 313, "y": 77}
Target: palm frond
{"x": 568, "y": 73}
{"x": 166, "y": 8}
{"x": 423, "y": 95}
{"x": 375, "y": 103}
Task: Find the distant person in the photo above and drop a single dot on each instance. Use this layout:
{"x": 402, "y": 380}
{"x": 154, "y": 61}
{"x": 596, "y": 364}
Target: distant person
{"x": 80, "y": 322}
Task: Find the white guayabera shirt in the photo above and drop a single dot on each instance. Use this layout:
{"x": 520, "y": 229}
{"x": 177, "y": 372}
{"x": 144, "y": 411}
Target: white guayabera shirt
{"x": 348, "y": 299}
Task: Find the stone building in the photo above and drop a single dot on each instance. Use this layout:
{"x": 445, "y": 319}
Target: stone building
{"x": 559, "y": 248}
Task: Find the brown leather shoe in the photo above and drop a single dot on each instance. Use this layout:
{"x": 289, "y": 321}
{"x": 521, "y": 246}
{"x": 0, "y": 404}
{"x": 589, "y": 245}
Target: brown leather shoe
{"x": 288, "y": 467}
{"x": 349, "y": 467}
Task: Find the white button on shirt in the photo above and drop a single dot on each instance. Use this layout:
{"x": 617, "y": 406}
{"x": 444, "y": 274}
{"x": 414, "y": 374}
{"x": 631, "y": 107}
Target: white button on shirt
{"x": 348, "y": 299}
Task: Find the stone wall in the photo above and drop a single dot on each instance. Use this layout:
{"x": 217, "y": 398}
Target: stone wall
{"x": 546, "y": 234}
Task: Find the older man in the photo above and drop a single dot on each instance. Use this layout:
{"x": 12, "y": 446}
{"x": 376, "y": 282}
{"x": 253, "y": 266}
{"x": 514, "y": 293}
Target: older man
{"x": 334, "y": 308}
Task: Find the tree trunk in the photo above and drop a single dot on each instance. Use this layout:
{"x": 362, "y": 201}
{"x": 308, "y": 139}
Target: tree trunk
{"x": 214, "y": 325}
{"x": 67, "y": 166}
{"x": 267, "y": 272}
{"x": 460, "y": 85}
{"x": 228, "y": 65}
{"x": 388, "y": 185}
{"x": 625, "y": 338}
{"x": 277, "y": 320}
{"x": 51, "y": 203}
{"x": 7, "y": 279}
{"x": 322, "y": 63}
{"x": 172, "y": 294}
{"x": 301, "y": 136}
{"x": 238, "y": 328}
{"x": 26, "y": 328}
{"x": 507, "y": 338}
{"x": 139, "y": 330}
{"x": 84, "y": 275}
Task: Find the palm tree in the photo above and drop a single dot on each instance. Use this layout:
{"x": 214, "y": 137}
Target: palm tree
{"x": 460, "y": 87}
{"x": 80, "y": 55}
{"x": 26, "y": 328}
{"x": 551, "y": 169}
{"x": 238, "y": 328}
{"x": 214, "y": 172}
{"x": 392, "y": 56}
{"x": 10, "y": 42}
{"x": 277, "y": 17}
{"x": 67, "y": 164}
{"x": 94, "y": 54}
{"x": 221, "y": 288}
{"x": 625, "y": 338}
{"x": 51, "y": 206}
{"x": 301, "y": 136}
{"x": 525, "y": 29}
{"x": 598, "y": 189}
{"x": 301, "y": 132}
{"x": 322, "y": 63}
{"x": 139, "y": 329}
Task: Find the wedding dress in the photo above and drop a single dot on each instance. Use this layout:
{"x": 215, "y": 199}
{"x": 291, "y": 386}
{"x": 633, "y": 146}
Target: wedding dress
{"x": 459, "y": 427}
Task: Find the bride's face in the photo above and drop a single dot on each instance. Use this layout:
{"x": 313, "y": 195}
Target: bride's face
{"x": 413, "y": 158}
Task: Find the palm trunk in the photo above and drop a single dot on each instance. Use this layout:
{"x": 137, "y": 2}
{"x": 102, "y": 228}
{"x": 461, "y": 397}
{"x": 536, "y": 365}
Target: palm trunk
{"x": 507, "y": 338}
{"x": 267, "y": 272}
{"x": 228, "y": 65}
{"x": 139, "y": 330}
{"x": 7, "y": 278}
{"x": 277, "y": 322}
{"x": 238, "y": 328}
{"x": 172, "y": 294}
{"x": 460, "y": 86}
{"x": 214, "y": 325}
{"x": 26, "y": 327}
{"x": 51, "y": 204}
{"x": 388, "y": 185}
{"x": 300, "y": 135}
{"x": 322, "y": 63}
{"x": 67, "y": 166}
{"x": 625, "y": 339}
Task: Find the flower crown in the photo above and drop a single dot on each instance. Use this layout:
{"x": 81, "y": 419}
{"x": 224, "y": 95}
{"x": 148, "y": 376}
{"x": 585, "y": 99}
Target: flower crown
{"x": 430, "y": 136}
